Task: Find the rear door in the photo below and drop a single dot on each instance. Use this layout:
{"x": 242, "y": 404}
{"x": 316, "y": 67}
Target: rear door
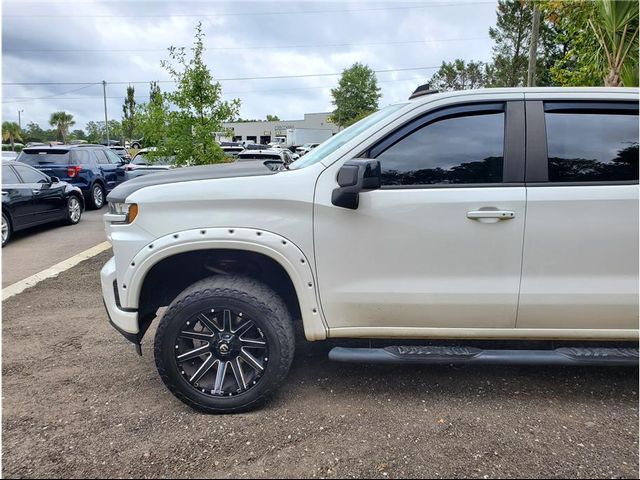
{"x": 107, "y": 169}
{"x": 119, "y": 164}
{"x": 580, "y": 258}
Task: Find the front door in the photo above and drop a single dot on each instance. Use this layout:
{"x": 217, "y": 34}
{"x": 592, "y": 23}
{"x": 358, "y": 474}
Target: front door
{"x": 440, "y": 244}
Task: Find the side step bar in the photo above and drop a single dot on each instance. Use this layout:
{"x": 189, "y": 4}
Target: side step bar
{"x": 429, "y": 355}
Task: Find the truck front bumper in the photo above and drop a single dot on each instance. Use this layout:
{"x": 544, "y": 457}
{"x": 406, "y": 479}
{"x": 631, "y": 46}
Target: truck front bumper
{"x": 124, "y": 321}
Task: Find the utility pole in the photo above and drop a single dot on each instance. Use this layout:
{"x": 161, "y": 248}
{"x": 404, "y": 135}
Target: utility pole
{"x": 19, "y": 119}
{"x": 106, "y": 121}
{"x": 533, "y": 47}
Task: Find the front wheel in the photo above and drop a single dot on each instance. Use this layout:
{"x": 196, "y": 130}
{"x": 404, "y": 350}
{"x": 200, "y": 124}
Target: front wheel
{"x": 225, "y": 344}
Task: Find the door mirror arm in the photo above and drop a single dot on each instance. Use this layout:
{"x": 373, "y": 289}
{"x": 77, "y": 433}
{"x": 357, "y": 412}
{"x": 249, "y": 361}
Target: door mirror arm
{"x": 355, "y": 176}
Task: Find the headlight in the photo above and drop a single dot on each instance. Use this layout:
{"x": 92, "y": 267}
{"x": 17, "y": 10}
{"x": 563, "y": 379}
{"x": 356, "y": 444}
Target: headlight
{"x": 122, "y": 212}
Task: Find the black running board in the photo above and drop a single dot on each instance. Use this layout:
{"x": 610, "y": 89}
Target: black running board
{"x": 403, "y": 355}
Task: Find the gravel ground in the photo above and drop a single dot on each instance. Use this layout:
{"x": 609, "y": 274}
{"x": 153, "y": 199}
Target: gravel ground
{"x": 78, "y": 402}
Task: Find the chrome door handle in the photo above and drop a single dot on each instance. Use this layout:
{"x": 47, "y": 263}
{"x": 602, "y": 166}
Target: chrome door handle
{"x": 499, "y": 214}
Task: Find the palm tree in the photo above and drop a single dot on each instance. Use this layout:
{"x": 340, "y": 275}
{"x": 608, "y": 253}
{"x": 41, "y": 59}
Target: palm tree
{"x": 11, "y": 132}
{"x": 616, "y": 29}
{"x": 62, "y": 121}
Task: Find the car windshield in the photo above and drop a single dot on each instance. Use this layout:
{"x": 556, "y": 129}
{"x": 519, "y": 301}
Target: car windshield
{"x": 339, "y": 139}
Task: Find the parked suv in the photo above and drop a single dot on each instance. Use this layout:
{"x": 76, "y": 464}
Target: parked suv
{"x": 95, "y": 169}
{"x": 508, "y": 215}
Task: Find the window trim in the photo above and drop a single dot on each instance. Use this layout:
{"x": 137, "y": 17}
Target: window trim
{"x": 513, "y": 148}
{"x": 15, "y": 172}
{"x": 537, "y": 163}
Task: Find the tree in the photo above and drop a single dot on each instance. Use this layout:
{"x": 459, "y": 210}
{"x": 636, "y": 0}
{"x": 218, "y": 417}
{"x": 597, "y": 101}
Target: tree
{"x": 78, "y": 134}
{"x": 272, "y": 118}
{"x": 11, "y": 132}
{"x": 197, "y": 110}
{"x": 129, "y": 114}
{"x": 96, "y": 133}
{"x": 615, "y": 26}
{"x": 512, "y": 35}
{"x": 152, "y": 117}
{"x": 357, "y": 94}
{"x": 459, "y": 75}
{"x": 33, "y": 133}
{"x": 62, "y": 121}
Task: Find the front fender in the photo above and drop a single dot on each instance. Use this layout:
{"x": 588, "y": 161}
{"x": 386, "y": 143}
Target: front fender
{"x": 280, "y": 249}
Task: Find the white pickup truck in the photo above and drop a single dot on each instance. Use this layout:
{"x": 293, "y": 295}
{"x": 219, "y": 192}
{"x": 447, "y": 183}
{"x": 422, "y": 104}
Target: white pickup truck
{"x": 508, "y": 215}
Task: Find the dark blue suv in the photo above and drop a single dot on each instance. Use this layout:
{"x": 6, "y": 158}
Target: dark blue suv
{"x": 95, "y": 169}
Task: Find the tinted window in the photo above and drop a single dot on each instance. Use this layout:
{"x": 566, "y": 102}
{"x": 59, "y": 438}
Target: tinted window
{"x": 101, "y": 157}
{"x": 9, "y": 176}
{"x": 458, "y": 150}
{"x": 592, "y": 147}
{"x": 46, "y": 157}
{"x": 29, "y": 175}
{"x": 113, "y": 157}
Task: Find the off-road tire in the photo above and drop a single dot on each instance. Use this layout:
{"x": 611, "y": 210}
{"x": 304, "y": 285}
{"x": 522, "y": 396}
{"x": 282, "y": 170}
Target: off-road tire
{"x": 264, "y": 307}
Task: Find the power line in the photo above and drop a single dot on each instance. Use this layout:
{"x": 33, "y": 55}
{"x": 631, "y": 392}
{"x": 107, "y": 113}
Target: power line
{"x": 276, "y": 77}
{"x": 253, "y": 47}
{"x": 248, "y": 14}
{"x": 92, "y": 97}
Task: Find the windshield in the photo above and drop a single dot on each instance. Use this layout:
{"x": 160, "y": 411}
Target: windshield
{"x": 339, "y": 139}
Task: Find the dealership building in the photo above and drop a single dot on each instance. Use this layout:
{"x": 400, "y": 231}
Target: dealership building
{"x": 265, "y": 132}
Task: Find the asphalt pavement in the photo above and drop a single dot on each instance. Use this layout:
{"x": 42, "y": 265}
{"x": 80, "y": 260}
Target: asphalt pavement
{"x": 33, "y": 250}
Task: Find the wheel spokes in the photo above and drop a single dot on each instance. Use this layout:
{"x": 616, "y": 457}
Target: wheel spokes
{"x": 204, "y": 368}
{"x": 195, "y": 353}
{"x": 253, "y": 343}
{"x": 208, "y": 323}
{"x": 220, "y": 374}
{"x": 244, "y": 328}
{"x": 251, "y": 360}
{"x": 237, "y": 373}
{"x": 226, "y": 321}
{"x": 205, "y": 337}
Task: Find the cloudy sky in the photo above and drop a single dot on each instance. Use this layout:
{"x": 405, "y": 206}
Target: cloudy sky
{"x": 64, "y": 49}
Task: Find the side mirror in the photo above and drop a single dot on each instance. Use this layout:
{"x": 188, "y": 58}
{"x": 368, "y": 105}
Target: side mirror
{"x": 355, "y": 176}
{"x": 54, "y": 179}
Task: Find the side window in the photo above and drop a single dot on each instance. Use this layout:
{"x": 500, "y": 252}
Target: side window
{"x": 592, "y": 146}
{"x": 113, "y": 157}
{"x": 467, "y": 148}
{"x": 101, "y": 157}
{"x": 30, "y": 175}
{"x": 9, "y": 177}
{"x": 80, "y": 157}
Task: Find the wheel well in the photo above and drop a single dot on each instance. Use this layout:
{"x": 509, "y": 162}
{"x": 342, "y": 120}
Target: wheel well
{"x": 187, "y": 268}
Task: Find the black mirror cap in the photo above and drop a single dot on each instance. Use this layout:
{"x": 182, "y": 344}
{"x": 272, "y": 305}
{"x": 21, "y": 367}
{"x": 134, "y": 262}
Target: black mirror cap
{"x": 353, "y": 177}
{"x": 54, "y": 179}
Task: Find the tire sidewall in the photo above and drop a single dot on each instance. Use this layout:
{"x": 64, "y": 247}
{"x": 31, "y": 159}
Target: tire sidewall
{"x": 6, "y": 218}
{"x": 270, "y": 379}
{"x": 92, "y": 199}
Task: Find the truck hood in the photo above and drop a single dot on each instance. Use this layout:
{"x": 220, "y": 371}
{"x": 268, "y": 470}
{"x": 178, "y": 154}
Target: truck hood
{"x": 189, "y": 174}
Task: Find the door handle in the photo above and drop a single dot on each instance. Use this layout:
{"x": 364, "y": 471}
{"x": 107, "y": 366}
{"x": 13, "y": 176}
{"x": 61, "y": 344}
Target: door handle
{"x": 35, "y": 191}
{"x": 499, "y": 214}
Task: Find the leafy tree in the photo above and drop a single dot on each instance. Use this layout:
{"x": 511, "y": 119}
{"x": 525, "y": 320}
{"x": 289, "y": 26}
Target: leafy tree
{"x": 615, "y": 26}
{"x": 152, "y": 117}
{"x": 78, "y": 135}
{"x": 357, "y": 94}
{"x": 96, "y": 133}
{"x": 197, "y": 110}
{"x": 459, "y": 75}
{"x": 33, "y": 133}
{"x": 512, "y": 36}
{"x": 574, "y": 65}
{"x": 129, "y": 114}
{"x": 272, "y": 118}
{"x": 62, "y": 121}
{"x": 11, "y": 132}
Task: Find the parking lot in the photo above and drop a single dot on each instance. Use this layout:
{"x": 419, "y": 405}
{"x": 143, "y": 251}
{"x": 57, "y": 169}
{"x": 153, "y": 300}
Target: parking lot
{"x": 78, "y": 402}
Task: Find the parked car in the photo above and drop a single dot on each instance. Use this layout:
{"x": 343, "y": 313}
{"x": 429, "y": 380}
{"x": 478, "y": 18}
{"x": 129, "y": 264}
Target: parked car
{"x": 137, "y": 143}
{"x": 279, "y": 155}
{"x": 95, "y": 169}
{"x": 232, "y": 151}
{"x": 306, "y": 148}
{"x": 122, "y": 152}
{"x": 9, "y": 155}
{"x": 294, "y": 156}
{"x": 30, "y": 198}
{"x": 508, "y": 215}
{"x": 143, "y": 165}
